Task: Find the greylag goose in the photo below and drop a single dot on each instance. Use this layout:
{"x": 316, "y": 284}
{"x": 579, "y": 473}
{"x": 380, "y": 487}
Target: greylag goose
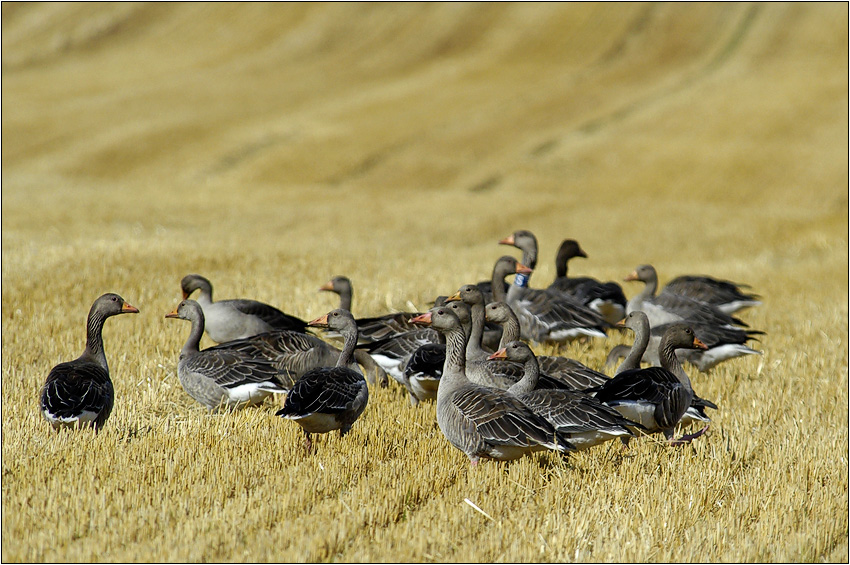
{"x": 373, "y": 328}
{"x": 723, "y": 343}
{"x": 656, "y": 397}
{"x": 227, "y": 320}
{"x": 666, "y": 308}
{"x": 582, "y": 418}
{"x": 421, "y": 376}
{"x": 79, "y": 393}
{"x": 218, "y": 377}
{"x": 606, "y": 298}
{"x": 726, "y": 296}
{"x": 568, "y": 373}
{"x": 329, "y": 398}
{"x": 543, "y": 315}
{"x": 639, "y": 324}
{"x": 480, "y": 421}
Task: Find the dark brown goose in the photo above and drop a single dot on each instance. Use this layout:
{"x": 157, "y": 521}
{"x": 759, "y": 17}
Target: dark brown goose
{"x": 606, "y": 298}
{"x": 79, "y": 393}
{"x": 579, "y": 416}
{"x": 222, "y": 377}
{"x": 656, "y": 397}
{"x": 329, "y": 398}
{"x": 227, "y": 320}
{"x": 480, "y": 421}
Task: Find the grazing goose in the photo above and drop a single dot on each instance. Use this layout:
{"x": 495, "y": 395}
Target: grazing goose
{"x": 606, "y": 298}
{"x": 667, "y": 308}
{"x": 227, "y": 320}
{"x": 726, "y": 296}
{"x": 568, "y": 372}
{"x": 329, "y": 398}
{"x": 79, "y": 393}
{"x": 221, "y": 377}
{"x": 480, "y": 421}
{"x": 656, "y": 397}
{"x": 580, "y": 417}
{"x": 373, "y": 328}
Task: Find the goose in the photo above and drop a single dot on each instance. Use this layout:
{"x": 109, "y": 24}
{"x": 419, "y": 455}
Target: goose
{"x": 221, "y": 377}
{"x": 329, "y": 398}
{"x": 656, "y": 397}
{"x": 583, "y": 419}
{"x": 606, "y": 298}
{"x": 373, "y": 328}
{"x": 480, "y": 421}
{"x": 724, "y": 343}
{"x": 666, "y": 308}
{"x": 227, "y": 320}
{"x": 79, "y": 393}
{"x": 568, "y": 372}
{"x": 639, "y": 324}
{"x": 726, "y": 296}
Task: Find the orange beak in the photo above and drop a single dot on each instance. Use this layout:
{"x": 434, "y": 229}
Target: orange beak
{"x": 699, "y": 344}
{"x": 185, "y": 295}
{"x": 620, "y": 324}
{"x": 632, "y": 277}
{"x": 424, "y": 319}
{"x": 128, "y": 308}
{"x": 523, "y": 270}
{"x": 500, "y": 354}
{"x": 173, "y": 313}
{"x": 327, "y": 286}
{"x": 454, "y": 297}
{"x": 320, "y": 322}
{"x": 507, "y": 241}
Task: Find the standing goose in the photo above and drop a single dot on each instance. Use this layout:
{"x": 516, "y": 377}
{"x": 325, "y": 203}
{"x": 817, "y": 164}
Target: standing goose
{"x": 666, "y": 308}
{"x": 227, "y": 320}
{"x": 656, "y": 397}
{"x": 480, "y": 421}
{"x": 568, "y": 372}
{"x": 580, "y": 417}
{"x": 329, "y": 398}
{"x": 727, "y": 296}
{"x": 373, "y": 328}
{"x": 723, "y": 342}
{"x": 547, "y": 316}
{"x": 222, "y": 377}
{"x": 606, "y": 298}
{"x": 79, "y": 393}
{"x": 639, "y": 324}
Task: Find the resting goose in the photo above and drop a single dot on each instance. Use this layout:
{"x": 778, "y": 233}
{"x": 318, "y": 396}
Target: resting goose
{"x": 606, "y": 298}
{"x": 373, "y": 328}
{"x": 227, "y": 320}
{"x": 656, "y": 397}
{"x": 219, "y": 377}
{"x": 79, "y": 393}
{"x": 483, "y": 422}
{"x": 580, "y": 417}
{"x": 666, "y": 308}
{"x": 726, "y": 296}
{"x": 329, "y": 398}
{"x": 568, "y": 372}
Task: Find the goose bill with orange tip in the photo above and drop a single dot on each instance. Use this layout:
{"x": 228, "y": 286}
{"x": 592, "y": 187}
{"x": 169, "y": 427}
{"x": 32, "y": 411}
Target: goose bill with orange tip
{"x": 500, "y": 354}
{"x": 424, "y": 319}
{"x": 320, "y": 322}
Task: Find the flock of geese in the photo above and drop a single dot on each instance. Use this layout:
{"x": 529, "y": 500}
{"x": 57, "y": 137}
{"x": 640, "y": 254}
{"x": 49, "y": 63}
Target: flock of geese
{"x": 495, "y": 399}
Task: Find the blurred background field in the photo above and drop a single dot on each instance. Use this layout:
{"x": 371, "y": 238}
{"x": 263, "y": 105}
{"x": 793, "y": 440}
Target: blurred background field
{"x": 271, "y": 146}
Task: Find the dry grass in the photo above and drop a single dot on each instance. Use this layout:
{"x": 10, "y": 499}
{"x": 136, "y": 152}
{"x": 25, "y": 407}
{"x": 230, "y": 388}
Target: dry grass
{"x": 272, "y": 146}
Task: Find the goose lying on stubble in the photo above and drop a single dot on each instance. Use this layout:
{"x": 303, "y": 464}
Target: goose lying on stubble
{"x": 583, "y": 419}
{"x": 222, "y": 377}
{"x": 79, "y": 393}
{"x": 480, "y": 421}
{"x": 228, "y": 320}
{"x": 329, "y": 398}
{"x": 727, "y": 296}
{"x": 656, "y": 397}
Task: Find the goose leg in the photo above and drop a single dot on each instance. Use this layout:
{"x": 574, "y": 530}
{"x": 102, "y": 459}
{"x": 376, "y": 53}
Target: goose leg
{"x": 307, "y": 442}
{"x": 688, "y": 438}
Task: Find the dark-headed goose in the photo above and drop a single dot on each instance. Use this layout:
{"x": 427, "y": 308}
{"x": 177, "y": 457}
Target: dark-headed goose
{"x": 79, "y": 392}
{"x": 329, "y": 398}
{"x": 238, "y": 318}
{"x": 219, "y": 377}
{"x": 480, "y": 421}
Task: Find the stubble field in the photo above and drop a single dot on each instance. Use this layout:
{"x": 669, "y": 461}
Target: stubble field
{"x": 270, "y": 147}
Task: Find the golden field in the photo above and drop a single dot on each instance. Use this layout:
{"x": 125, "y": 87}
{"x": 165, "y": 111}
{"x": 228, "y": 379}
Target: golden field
{"x": 271, "y": 146}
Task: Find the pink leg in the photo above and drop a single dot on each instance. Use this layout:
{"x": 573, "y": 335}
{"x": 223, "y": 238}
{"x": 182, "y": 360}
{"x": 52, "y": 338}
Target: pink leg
{"x": 688, "y": 438}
